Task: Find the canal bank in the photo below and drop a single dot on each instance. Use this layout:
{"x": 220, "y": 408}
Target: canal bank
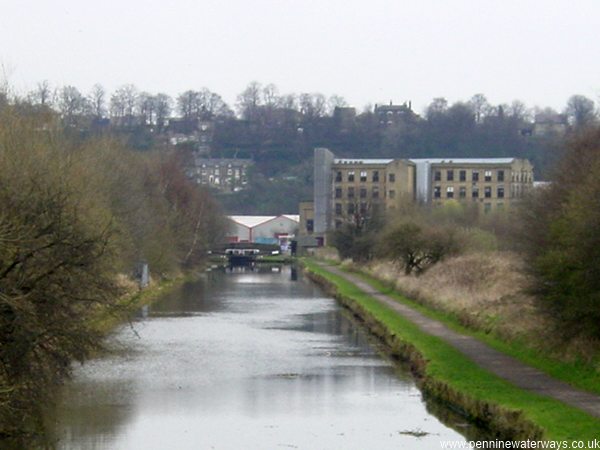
{"x": 446, "y": 372}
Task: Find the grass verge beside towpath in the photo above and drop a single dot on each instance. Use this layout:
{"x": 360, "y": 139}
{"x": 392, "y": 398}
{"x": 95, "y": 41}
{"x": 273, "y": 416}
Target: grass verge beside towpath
{"x": 449, "y": 375}
{"x": 580, "y": 375}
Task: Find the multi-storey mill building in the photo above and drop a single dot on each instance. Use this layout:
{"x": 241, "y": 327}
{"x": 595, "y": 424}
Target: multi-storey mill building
{"x": 345, "y": 188}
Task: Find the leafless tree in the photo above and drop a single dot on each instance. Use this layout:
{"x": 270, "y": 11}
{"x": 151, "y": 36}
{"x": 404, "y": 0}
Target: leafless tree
{"x": 480, "y": 106}
{"x": 71, "y": 104}
{"x": 163, "y": 106}
{"x": 249, "y": 101}
{"x": 581, "y": 111}
{"x": 97, "y": 101}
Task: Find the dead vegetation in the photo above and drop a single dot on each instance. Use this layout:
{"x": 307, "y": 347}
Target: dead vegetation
{"x": 486, "y": 291}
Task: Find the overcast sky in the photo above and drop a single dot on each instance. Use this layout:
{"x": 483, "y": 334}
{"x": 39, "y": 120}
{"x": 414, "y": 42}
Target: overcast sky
{"x": 369, "y": 51}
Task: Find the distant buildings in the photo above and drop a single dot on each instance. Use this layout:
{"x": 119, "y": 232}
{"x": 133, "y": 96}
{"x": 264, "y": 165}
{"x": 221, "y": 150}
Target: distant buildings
{"x": 263, "y": 229}
{"x": 198, "y": 133}
{"x": 390, "y": 115}
{"x": 546, "y": 124}
{"x": 350, "y": 188}
{"x": 223, "y": 174}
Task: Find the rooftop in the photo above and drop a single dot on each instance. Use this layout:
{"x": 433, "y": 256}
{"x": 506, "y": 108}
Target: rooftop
{"x": 463, "y": 160}
{"x": 361, "y": 161}
{"x": 252, "y": 221}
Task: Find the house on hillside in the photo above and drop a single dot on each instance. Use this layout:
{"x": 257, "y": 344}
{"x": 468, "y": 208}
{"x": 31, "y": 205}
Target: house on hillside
{"x": 222, "y": 174}
{"x": 390, "y": 115}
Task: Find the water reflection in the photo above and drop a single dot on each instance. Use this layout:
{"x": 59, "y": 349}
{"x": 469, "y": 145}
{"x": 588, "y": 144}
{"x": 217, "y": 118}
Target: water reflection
{"x": 252, "y": 358}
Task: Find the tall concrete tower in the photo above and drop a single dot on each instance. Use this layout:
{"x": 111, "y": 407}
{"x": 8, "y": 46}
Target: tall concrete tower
{"x": 322, "y": 190}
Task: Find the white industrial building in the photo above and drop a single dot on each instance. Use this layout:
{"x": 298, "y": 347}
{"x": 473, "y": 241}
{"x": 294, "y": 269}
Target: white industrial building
{"x": 263, "y": 229}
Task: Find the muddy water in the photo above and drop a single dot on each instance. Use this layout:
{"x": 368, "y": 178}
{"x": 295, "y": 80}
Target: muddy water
{"x": 246, "y": 359}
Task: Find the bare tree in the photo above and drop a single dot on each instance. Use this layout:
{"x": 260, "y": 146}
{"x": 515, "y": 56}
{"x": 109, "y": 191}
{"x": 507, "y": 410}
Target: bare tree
{"x": 249, "y": 101}
{"x": 480, "y": 106}
{"x": 188, "y": 104}
{"x": 518, "y": 110}
{"x": 313, "y": 105}
{"x": 42, "y": 94}
{"x": 270, "y": 95}
{"x": 147, "y": 108}
{"x": 163, "y": 107}
{"x": 97, "y": 100}
{"x": 335, "y": 101}
{"x": 71, "y": 104}
{"x": 123, "y": 104}
{"x": 581, "y": 111}
{"x": 438, "y": 105}
{"x": 212, "y": 105}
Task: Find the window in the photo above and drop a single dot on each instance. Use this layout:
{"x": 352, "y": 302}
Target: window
{"x": 392, "y": 194}
{"x": 487, "y": 192}
{"x": 500, "y": 206}
{"x": 500, "y": 192}
{"x": 350, "y": 192}
{"x": 351, "y": 175}
{"x": 363, "y": 192}
{"x": 501, "y": 175}
{"x": 475, "y": 192}
{"x": 437, "y": 175}
{"x": 475, "y": 175}
{"x": 363, "y": 208}
{"x": 338, "y": 177}
{"x": 338, "y": 224}
{"x": 462, "y": 192}
{"x": 338, "y": 192}
{"x": 375, "y": 176}
{"x": 450, "y": 175}
{"x": 462, "y": 175}
{"x": 310, "y": 225}
{"x": 350, "y": 208}
{"x": 338, "y": 209}
{"x": 487, "y": 207}
{"x": 375, "y": 192}
{"x": 363, "y": 176}
{"x": 450, "y": 192}
{"x": 437, "y": 192}
{"x": 487, "y": 176}
{"x": 392, "y": 177}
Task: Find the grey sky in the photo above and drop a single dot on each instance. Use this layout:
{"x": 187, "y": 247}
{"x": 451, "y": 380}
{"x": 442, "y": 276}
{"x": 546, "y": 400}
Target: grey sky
{"x": 367, "y": 51}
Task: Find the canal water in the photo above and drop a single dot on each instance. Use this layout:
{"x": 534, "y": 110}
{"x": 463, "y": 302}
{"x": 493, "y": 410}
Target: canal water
{"x": 254, "y": 358}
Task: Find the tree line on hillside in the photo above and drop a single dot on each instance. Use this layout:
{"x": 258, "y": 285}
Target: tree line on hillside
{"x": 76, "y": 217}
{"x": 282, "y": 129}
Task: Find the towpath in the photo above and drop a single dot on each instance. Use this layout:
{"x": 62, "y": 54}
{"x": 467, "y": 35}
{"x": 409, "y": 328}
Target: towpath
{"x": 506, "y": 367}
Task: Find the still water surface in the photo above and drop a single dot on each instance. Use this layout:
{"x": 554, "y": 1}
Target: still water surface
{"x": 246, "y": 359}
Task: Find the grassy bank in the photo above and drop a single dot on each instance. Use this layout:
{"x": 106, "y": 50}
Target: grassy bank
{"x": 495, "y": 310}
{"x": 447, "y": 374}
{"x": 108, "y": 318}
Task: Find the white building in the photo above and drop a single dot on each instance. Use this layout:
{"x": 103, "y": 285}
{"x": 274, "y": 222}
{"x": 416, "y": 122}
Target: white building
{"x": 263, "y": 229}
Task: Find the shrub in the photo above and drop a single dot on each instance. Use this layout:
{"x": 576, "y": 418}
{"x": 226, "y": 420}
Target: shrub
{"x": 561, "y": 235}
{"x": 418, "y": 247}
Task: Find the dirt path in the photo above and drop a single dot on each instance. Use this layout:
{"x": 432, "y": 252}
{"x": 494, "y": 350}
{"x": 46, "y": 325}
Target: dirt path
{"x": 504, "y": 366}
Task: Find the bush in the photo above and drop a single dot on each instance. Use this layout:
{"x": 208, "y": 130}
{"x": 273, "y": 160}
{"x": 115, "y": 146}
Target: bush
{"x": 562, "y": 238}
{"x": 418, "y": 247}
